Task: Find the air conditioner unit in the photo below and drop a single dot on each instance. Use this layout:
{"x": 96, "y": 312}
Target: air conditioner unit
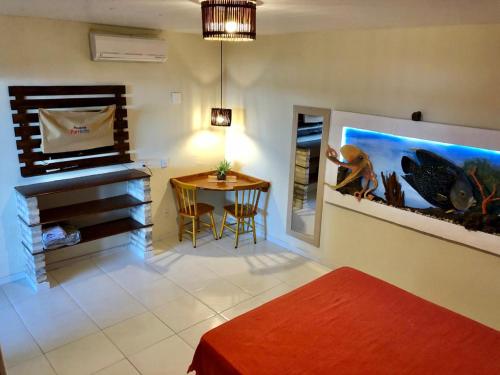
{"x": 105, "y": 47}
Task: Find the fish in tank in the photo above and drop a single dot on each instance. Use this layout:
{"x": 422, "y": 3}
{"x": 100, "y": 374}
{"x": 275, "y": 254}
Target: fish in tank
{"x": 439, "y": 181}
{"x": 451, "y": 182}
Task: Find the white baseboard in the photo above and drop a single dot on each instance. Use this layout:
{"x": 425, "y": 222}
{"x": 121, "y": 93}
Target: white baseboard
{"x": 306, "y": 255}
{"x": 278, "y": 241}
{"x": 290, "y": 247}
{"x": 11, "y": 278}
{"x": 61, "y": 263}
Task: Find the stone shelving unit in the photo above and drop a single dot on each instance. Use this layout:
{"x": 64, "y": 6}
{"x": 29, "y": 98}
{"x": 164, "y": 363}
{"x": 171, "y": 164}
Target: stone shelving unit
{"x": 138, "y": 223}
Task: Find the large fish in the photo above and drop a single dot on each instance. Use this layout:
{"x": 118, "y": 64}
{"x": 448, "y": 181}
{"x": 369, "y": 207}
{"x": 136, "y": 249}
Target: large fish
{"x": 438, "y": 181}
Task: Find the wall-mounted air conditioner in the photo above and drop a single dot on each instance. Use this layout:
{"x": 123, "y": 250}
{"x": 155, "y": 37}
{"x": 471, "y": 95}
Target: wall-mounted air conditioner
{"x": 105, "y": 47}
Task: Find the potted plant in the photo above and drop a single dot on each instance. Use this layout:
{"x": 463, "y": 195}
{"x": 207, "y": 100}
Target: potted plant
{"x": 222, "y": 169}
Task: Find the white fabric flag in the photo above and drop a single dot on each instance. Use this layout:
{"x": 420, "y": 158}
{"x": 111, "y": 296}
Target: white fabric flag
{"x": 64, "y": 131}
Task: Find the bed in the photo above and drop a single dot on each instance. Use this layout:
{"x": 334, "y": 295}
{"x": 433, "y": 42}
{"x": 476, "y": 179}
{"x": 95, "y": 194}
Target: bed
{"x": 348, "y": 322}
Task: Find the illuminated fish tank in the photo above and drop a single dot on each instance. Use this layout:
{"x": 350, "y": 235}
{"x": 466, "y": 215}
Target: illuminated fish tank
{"x": 450, "y": 182}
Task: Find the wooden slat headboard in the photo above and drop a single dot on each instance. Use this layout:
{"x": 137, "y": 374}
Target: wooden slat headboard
{"x": 25, "y": 102}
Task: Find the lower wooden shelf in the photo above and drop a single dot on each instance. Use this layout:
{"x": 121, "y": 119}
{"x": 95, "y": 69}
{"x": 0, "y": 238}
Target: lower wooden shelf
{"x": 58, "y": 214}
{"x": 106, "y": 229}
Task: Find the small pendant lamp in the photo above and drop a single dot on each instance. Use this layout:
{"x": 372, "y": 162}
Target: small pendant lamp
{"x": 229, "y": 20}
{"x": 221, "y": 116}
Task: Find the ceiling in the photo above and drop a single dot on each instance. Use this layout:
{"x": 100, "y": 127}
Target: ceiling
{"x": 273, "y": 16}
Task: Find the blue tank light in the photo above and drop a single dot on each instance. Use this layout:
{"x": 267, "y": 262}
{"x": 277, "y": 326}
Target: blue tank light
{"x": 387, "y": 150}
{"x": 349, "y": 133}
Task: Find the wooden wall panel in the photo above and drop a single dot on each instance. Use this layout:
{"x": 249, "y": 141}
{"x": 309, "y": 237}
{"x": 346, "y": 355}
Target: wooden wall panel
{"x": 25, "y": 102}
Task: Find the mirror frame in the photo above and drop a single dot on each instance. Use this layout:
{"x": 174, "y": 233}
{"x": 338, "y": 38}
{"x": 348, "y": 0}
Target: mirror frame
{"x": 326, "y": 113}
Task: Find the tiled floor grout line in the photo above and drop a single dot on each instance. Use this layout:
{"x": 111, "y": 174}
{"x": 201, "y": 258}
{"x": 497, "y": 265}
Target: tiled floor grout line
{"x": 125, "y": 358}
{"x": 202, "y": 321}
{"x": 147, "y": 310}
{"x": 248, "y": 251}
{"x": 30, "y": 333}
{"x": 102, "y": 330}
{"x": 217, "y": 243}
{"x": 27, "y": 330}
{"x": 97, "y": 325}
{"x": 57, "y": 347}
{"x": 146, "y": 307}
{"x": 50, "y": 364}
{"x": 9, "y": 302}
{"x": 219, "y": 314}
{"x": 211, "y": 270}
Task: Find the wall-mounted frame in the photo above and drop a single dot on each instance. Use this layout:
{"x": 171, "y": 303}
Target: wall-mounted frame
{"x": 312, "y": 231}
{"x": 25, "y": 102}
{"x": 447, "y": 134}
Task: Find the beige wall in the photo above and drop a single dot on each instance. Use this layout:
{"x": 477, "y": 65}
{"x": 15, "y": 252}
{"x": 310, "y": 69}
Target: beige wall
{"x": 43, "y": 52}
{"x": 450, "y": 73}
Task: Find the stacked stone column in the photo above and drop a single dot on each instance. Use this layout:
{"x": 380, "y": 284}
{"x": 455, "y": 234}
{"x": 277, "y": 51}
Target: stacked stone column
{"x": 141, "y": 240}
{"x": 31, "y": 238}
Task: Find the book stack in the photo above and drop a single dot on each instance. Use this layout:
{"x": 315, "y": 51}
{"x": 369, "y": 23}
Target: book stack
{"x": 306, "y": 175}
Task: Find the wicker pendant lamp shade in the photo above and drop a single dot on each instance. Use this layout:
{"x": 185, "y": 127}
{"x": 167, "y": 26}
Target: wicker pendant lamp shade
{"x": 221, "y": 117}
{"x": 229, "y": 20}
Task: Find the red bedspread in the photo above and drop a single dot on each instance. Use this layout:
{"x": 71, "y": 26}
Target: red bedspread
{"x": 347, "y": 322}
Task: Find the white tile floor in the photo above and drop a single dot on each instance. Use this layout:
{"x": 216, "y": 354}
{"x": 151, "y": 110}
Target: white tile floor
{"x": 117, "y": 314}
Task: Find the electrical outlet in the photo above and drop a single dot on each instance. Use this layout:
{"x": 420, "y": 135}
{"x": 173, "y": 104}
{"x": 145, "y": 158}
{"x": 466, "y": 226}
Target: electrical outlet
{"x": 146, "y": 163}
{"x": 153, "y": 163}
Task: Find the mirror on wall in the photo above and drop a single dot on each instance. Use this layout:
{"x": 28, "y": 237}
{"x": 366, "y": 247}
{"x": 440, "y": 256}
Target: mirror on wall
{"x": 310, "y": 129}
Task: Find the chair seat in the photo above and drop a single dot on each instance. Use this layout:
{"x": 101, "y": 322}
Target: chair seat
{"x": 247, "y": 210}
{"x": 202, "y": 209}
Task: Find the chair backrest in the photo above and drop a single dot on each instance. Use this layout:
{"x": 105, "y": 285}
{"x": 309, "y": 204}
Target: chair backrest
{"x": 246, "y": 199}
{"x": 186, "y": 198}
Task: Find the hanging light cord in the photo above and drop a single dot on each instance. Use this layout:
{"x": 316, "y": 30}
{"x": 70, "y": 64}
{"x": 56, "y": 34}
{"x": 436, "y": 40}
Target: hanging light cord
{"x": 221, "y": 74}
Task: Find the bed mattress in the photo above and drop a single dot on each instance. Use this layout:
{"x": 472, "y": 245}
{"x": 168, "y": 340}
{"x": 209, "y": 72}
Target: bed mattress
{"x": 348, "y": 322}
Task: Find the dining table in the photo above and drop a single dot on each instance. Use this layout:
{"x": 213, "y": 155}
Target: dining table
{"x": 208, "y": 181}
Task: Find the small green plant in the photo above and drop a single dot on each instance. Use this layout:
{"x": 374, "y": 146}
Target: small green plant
{"x": 222, "y": 168}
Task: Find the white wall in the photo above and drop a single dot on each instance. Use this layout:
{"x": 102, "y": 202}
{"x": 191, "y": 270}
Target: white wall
{"x": 450, "y": 73}
{"x": 44, "y": 52}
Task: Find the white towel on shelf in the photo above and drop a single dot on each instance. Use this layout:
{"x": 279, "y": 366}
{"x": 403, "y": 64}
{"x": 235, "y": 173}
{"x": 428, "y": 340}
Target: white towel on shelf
{"x": 71, "y": 238}
{"x": 53, "y": 234}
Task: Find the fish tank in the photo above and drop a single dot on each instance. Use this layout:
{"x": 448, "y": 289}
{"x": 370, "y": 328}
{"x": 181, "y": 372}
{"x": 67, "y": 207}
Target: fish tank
{"x": 451, "y": 182}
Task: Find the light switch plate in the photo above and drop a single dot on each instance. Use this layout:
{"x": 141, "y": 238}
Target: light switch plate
{"x": 176, "y": 97}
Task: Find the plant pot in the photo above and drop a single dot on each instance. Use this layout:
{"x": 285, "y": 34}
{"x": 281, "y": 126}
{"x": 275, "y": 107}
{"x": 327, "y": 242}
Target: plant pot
{"x": 221, "y": 176}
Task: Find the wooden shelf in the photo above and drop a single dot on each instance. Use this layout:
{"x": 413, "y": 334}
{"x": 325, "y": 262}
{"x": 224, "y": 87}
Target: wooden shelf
{"x": 61, "y": 186}
{"x": 107, "y": 229}
{"x": 134, "y": 201}
{"x": 110, "y": 228}
{"x": 57, "y": 214}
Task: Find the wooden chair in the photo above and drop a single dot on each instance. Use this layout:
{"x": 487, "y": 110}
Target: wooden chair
{"x": 188, "y": 207}
{"x": 244, "y": 209}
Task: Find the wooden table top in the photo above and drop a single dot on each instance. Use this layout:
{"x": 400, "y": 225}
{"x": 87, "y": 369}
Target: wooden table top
{"x": 201, "y": 181}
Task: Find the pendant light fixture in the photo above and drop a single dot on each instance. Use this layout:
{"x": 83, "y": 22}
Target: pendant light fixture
{"x": 221, "y": 116}
{"x": 229, "y": 20}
